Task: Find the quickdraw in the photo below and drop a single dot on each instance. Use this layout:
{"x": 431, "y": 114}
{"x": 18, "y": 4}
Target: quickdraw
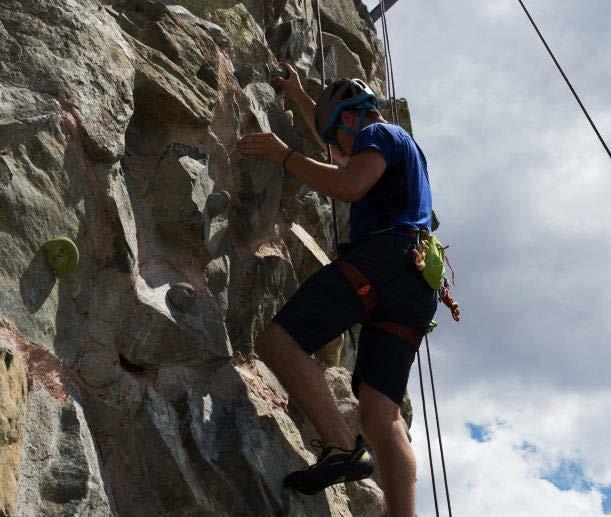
{"x": 444, "y": 292}
{"x": 446, "y": 298}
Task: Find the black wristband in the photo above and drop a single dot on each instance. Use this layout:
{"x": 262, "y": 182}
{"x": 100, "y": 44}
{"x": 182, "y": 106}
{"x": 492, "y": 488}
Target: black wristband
{"x": 286, "y": 158}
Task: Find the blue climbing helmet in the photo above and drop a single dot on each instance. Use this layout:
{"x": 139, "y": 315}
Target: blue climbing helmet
{"x": 341, "y": 95}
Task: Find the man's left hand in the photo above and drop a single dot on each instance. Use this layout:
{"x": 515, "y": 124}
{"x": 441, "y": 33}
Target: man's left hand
{"x": 265, "y": 145}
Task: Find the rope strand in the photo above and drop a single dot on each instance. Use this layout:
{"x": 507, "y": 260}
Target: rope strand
{"x": 443, "y": 461}
{"x": 583, "y": 108}
{"x": 428, "y": 438}
{"x": 390, "y": 77}
{"x": 390, "y": 69}
{"x": 387, "y": 63}
{"x": 323, "y": 82}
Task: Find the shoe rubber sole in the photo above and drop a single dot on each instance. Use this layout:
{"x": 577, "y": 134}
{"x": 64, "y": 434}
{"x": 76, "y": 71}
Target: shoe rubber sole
{"x": 334, "y": 475}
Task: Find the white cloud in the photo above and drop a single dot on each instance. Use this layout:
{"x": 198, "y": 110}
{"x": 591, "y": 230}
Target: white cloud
{"x": 500, "y": 476}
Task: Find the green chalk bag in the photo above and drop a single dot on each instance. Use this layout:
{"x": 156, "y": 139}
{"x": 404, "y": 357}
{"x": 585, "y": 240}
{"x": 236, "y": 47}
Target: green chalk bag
{"x": 434, "y": 263}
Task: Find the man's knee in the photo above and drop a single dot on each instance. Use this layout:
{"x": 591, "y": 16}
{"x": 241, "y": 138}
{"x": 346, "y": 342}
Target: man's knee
{"x": 379, "y": 428}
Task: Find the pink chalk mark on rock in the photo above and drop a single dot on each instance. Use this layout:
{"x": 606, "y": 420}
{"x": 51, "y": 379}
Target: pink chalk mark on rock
{"x": 100, "y": 232}
{"x": 257, "y": 385}
{"x": 44, "y": 370}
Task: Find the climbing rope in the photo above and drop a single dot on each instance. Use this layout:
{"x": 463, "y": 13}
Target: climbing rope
{"x": 376, "y": 12}
{"x": 390, "y": 76}
{"x": 443, "y": 461}
{"x": 390, "y": 79}
{"x": 323, "y": 83}
{"x": 583, "y": 108}
{"x": 428, "y": 438}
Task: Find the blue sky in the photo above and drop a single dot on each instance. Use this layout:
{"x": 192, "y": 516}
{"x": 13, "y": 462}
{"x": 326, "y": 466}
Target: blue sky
{"x": 521, "y": 185}
{"x": 479, "y": 433}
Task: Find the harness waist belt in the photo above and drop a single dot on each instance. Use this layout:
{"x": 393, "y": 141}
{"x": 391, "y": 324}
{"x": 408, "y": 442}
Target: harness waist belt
{"x": 369, "y": 299}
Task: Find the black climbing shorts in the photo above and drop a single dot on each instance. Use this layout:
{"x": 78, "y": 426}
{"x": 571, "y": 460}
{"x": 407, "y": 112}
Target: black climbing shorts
{"x": 326, "y": 305}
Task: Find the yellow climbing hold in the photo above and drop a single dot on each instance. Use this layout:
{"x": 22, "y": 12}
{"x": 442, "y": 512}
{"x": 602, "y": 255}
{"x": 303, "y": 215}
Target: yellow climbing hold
{"x": 62, "y": 256}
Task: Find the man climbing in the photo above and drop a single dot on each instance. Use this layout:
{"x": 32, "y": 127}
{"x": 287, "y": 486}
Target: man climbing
{"x": 382, "y": 173}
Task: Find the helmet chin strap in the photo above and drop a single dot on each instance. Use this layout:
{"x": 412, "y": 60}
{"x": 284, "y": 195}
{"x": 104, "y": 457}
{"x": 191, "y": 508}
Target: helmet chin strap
{"x": 351, "y": 131}
{"x": 362, "y": 118}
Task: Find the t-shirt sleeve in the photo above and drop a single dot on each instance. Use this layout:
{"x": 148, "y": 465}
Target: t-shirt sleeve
{"x": 377, "y": 137}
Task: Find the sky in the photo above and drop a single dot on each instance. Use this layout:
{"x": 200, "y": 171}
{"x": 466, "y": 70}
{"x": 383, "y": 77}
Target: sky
{"x": 521, "y": 185}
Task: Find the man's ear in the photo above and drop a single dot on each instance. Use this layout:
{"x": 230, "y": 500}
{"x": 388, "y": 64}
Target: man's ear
{"x": 346, "y": 118}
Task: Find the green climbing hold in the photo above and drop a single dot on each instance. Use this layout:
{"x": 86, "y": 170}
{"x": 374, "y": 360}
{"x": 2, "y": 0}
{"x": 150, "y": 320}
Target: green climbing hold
{"x": 62, "y": 256}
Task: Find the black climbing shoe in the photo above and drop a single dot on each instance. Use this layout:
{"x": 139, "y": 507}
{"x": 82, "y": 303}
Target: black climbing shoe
{"x": 334, "y": 465}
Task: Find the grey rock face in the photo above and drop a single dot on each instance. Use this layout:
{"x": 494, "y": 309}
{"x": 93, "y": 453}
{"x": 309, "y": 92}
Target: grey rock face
{"x": 54, "y": 49}
{"x": 353, "y": 26}
{"x": 340, "y": 60}
{"x": 121, "y": 393}
{"x": 60, "y": 473}
{"x": 13, "y": 400}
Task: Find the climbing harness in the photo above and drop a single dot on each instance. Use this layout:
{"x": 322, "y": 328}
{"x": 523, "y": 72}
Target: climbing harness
{"x": 368, "y": 297}
{"x": 549, "y": 50}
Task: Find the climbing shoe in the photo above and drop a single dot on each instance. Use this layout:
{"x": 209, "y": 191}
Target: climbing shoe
{"x": 334, "y": 465}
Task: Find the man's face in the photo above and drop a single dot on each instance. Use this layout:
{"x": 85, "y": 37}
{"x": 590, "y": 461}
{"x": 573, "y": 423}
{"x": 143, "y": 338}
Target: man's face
{"x": 340, "y": 137}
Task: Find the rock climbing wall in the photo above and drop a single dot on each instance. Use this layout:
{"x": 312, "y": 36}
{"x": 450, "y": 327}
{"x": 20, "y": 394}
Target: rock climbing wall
{"x": 128, "y": 386}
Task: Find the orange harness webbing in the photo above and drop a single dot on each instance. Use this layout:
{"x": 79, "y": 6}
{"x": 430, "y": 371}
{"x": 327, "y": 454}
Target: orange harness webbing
{"x": 369, "y": 298}
{"x": 410, "y": 334}
{"x": 361, "y": 284}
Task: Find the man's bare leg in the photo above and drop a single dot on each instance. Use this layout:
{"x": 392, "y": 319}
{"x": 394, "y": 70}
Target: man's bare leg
{"x": 382, "y": 425}
{"x": 305, "y": 382}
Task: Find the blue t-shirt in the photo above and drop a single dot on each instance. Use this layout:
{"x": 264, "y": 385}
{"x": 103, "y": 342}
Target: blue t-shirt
{"x": 402, "y": 196}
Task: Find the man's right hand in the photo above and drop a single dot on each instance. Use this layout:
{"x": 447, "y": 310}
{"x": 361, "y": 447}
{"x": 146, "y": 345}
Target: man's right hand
{"x": 292, "y": 85}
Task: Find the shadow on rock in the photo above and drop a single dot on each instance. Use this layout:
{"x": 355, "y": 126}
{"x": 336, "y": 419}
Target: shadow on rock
{"x": 36, "y": 283}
